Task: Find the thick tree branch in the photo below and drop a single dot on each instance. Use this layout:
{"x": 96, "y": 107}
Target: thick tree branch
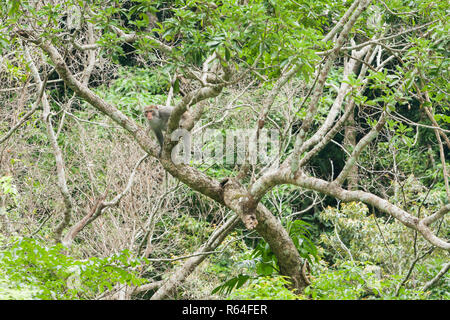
{"x": 349, "y": 68}
{"x": 314, "y": 103}
{"x": 342, "y": 21}
{"x": 404, "y": 217}
{"x": 289, "y": 262}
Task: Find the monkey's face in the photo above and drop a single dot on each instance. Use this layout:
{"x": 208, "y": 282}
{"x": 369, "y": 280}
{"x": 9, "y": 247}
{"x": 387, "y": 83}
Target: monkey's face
{"x": 150, "y": 112}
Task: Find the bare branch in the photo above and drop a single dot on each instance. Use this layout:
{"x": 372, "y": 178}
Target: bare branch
{"x": 167, "y": 289}
{"x": 60, "y": 167}
{"x": 29, "y": 113}
{"x": 435, "y": 280}
{"x": 359, "y": 148}
{"x": 314, "y": 103}
{"x": 100, "y": 206}
{"x": 341, "y": 22}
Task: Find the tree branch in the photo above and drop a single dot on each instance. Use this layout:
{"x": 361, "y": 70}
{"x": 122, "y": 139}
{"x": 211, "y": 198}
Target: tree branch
{"x": 60, "y": 166}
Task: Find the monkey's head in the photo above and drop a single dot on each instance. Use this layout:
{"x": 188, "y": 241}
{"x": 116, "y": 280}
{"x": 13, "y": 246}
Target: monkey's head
{"x": 149, "y": 111}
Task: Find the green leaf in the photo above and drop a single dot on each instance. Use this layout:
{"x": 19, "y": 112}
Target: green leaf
{"x": 227, "y": 54}
{"x": 176, "y": 86}
{"x": 15, "y": 4}
{"x": 233, "y": 283}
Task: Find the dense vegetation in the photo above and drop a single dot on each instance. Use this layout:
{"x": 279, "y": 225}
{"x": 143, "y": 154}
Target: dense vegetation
{"x": 353, "y": 203}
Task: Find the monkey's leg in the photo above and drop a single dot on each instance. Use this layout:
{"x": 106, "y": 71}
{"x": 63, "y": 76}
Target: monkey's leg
{"x": 160, "y": 138}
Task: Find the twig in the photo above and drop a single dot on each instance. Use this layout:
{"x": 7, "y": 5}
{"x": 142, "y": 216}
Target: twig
{"x": 100, "y": 206}
{"x": 397, "y": 291}
{"x": 29, "y": 113}
{"x": 343, "y": 245}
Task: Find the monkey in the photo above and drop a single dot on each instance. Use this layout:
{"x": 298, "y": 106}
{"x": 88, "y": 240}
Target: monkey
{"x": 157, "y": 117}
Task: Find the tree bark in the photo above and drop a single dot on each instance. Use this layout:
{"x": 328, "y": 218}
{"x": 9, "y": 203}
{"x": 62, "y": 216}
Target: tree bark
{"x": 349, "y": 144}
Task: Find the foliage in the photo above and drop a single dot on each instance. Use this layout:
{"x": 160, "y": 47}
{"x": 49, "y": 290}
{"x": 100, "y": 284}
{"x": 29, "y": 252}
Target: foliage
{"x": 134, "y": 88}
{"x": 428, "y": 269}
{"x": 286, "y": 32}
{"x": 186, "y": 233}
{"x": 368, "y": 238}
{"x": 230, "y": 285}
{"x": 9, "y": 292}
{"x": 263, "y": 262}
{"x": 46, "y": 272}
{"x": 372, "y": 240}
{"x": 141, "y": 49}
{"x": 352, "y": 282}
{"x": 266, "y": 288}
{"x": 7, "y": 187}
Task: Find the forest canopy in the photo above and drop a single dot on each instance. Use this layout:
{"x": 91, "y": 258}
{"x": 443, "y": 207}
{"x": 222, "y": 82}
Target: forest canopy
{"x": 264, "y": 149}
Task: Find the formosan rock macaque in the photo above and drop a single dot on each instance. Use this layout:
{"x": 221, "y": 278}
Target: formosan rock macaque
{"x": 158, "y": 116}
